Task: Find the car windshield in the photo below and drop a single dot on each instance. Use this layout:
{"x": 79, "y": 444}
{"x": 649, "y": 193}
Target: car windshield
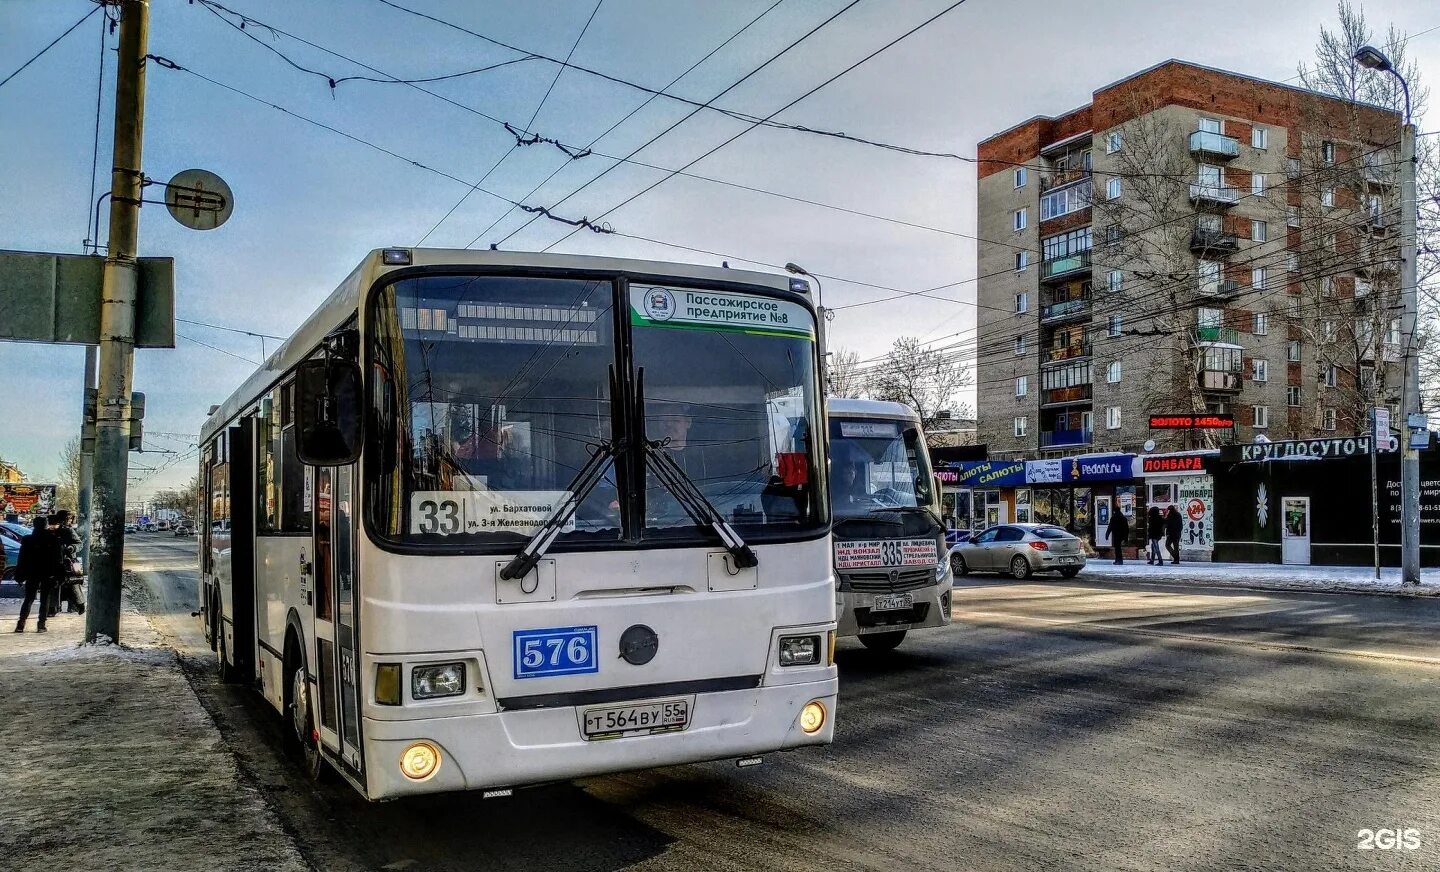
{"x": 490, "y": 393}
{"x": 876, "y": 464}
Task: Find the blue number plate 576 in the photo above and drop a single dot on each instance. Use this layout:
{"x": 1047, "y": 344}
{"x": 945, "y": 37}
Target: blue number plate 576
{"x": 555, "y": 651}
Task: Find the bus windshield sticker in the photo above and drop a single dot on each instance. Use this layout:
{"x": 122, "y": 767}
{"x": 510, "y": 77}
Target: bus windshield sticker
{"x": 869, "y": 429}
{"x": 452, "y": 513}
{"x": 885, "y": 552}
{"x": 652, "y": 306}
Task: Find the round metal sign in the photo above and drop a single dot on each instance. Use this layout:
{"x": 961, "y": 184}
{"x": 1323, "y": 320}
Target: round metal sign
{"x": 199, "y": 199}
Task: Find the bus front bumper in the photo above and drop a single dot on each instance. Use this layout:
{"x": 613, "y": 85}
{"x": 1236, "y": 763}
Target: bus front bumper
{"x": 517, "y": 748}
{"x": 929, "y": 607}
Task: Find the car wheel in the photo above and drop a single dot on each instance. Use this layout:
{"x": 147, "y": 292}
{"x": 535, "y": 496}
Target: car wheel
{"x": 883, "y": 641}
{"x": 1070, "y": 572}
{"x": 957, "y": 564}
{"x": 1020, "y": 567}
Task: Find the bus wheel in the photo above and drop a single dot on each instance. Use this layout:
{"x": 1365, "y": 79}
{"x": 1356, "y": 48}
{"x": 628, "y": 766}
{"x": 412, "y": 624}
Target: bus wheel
{"x": 228, "y": 673}
{"x": 304, "y": 739}
{"x": 883, "y": 641}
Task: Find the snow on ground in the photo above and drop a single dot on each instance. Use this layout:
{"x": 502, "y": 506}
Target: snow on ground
{"x": 1339, "y": 579}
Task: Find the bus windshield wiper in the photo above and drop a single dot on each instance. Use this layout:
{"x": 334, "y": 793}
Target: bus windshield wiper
{"x": 924, "y": 510}
{"x": 683, "y": 487}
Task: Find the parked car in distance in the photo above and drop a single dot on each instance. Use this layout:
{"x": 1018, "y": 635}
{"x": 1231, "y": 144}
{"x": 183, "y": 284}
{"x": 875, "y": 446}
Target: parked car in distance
{"x": 182, "y": 530}
{"x": 10, "y": 536}
{"x": 1020, "y": 550}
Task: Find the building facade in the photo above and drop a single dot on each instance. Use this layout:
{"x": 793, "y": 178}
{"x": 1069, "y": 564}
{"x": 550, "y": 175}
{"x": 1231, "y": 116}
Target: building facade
{"x": 1191, "y": 242}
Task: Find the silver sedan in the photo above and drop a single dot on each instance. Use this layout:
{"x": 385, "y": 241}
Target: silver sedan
{"x": 1021, "y": 550}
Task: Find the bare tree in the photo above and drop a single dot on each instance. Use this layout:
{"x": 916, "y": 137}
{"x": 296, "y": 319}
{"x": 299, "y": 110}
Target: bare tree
{"x": 927, "y": 380}
{"x": 67, "y": 490}
{"x": 843, "y": 376}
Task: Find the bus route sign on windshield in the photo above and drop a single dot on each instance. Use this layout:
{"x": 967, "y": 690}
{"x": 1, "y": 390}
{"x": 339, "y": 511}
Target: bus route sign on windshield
{"x": 652, "y": 306}
{"x": 451, "y": 513}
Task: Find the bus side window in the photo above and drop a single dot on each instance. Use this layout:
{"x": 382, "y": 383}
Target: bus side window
{"x": 267, "y": 466}
{"x": 294, "y": 482}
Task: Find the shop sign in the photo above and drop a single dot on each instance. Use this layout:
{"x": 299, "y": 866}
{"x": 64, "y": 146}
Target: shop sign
{"x": 1100, "y": 467}
{"x": 1352, "y": 446}
{"x": 1044, "y": 471}
{"x": 947, "y": 476}
{"x": 991, "y": 473}
{"x": 1196, "y": 500}
{"x": 1192, "y": 422}
{"x": 1172, "y": 463}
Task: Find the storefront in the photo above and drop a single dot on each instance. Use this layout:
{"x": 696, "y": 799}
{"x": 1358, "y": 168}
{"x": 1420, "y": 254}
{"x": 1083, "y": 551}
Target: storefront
{"x": 982, "y": 493}
{"x": 1182, "y": 480}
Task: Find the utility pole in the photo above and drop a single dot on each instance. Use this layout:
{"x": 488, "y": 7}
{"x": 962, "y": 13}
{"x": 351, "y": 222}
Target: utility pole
{"x": 1410, "y": 399}
{"x": 87, "y": 457}
{"x": 117, "y": 327}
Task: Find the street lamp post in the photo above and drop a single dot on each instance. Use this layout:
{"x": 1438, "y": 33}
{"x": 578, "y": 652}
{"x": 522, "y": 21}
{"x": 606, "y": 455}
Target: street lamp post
{"x": 796, "y": 269}
{"x": 1372, "y": 58}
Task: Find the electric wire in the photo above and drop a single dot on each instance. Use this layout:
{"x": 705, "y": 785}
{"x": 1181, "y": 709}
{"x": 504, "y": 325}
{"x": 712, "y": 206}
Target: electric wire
{"x": 41, "y": 53}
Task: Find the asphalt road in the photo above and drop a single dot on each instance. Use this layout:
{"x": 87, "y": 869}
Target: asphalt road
{"x": 1055, "y": 725}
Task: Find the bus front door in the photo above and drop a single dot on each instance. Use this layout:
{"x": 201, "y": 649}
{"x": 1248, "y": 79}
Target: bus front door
{"x": 337, "y": 667}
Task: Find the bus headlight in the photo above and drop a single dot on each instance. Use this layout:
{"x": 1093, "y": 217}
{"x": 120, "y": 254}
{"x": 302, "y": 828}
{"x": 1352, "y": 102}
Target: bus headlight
{"x": 942, "y": 568}
{"x": 437, "y": 680}
{"x": 812, "y": 717}
{"x": 420, "y": 761}
{"x": 799, "y": 650}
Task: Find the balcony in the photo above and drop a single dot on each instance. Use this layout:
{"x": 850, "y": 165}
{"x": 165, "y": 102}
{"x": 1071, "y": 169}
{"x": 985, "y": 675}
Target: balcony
{"x": 1222, "y": 290}
{"x": 1214, "y": 195}
{"x": 1213, "y": 243}
{"x": 1379, "y": 222}
{"x": 1062, "y": 353}
{"x": 1381, "y": 175}
{"x": 1053, "y": 268}
{"x": 1207, "y": 145}
{"x": 1066, "y": 396}
{"x": 1065, "y": 438}
{"x": 1226, "y": 335}
{"x": 1064, "y": 310}
{"x": 1220, "y": 381}
{"x": 1062, "y": 178}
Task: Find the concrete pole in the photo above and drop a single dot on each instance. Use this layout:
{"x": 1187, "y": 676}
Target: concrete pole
{"x": 87, "y": 460}
{"x": 117, "y": 328}
{"x": 1410, "y": 401}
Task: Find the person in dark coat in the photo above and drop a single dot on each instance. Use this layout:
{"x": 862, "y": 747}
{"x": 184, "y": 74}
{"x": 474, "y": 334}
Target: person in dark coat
{"x": 1173, "y": 526}
{"x": 38, "y": 568}
{"x": 69, "y": 589}
{"x": 1119, "y": 534}
{"x": 1154, "y": 531}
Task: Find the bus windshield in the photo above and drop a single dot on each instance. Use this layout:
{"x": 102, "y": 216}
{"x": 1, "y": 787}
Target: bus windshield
{"x": 876, "y": 464}
{"x": 490, "y": 393}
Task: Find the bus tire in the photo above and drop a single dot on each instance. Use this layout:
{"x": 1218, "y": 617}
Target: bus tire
{"x": 301, "y": 735}
{"x": 883, "y": 641}
{"x": 227, "y": 672}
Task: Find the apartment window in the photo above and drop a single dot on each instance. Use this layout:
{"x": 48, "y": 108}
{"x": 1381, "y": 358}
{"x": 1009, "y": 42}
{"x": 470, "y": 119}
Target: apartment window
{"x": 1259, "y": 137}
{"x": 1022, "y": 386}
{"x": 1063, "y": 201}
{"x": 1294, "y": 308}
{"x": 1019, "y": 346}
{"x": 1112, "y": 418}
{"x": 1262, "y": 324}
{"x": 1332, "y": 243}
{"x": 1022, "y": 303}
{"x": 1019, "y": 177}
{"x": 1262, "y": 416}
{"x": 1362, "y": 289}
{"x": 1332, "y": 375}
{"x": 1260, "y": 370}
{"x": 1114, "y": 142}
{"x": 1022, "y": 261}
{"x": 1327, "y": 419}
{"x": 1114, "y": 234}
{"x": 1112, "y": 189}
{"x": 1257, "y": 278}
{"x": 1292, "y": 262}
{"x": 1394, "y": 335}
{"x": 1327, "y": 197}
{"x": 1068, "y": 376}
{"x": 1114, "y": 326}
{"x": 1022, "y": 425}
{"x": 1292, "y": 351}
{"x": 1292, "y": 216}
{"x": 1112, "y": 372}
{"x": 1259, "y": 231}
{"x": 1114, "y": 281}
{"x": 1209, "y": 271}
{"x": 1367, "y": 379}
{"x": 1292, "y": 396}
{"x": 1327, "y": 286}
{"x": 1327, "y": 329}
{"x": 1021, "y": 219}
{"x": 1327, "y": 152}
{"x": 1257, "y": 184}
{"x": 1066, "y": 244}
{"x": 1207, "y": 317}
{"x": 1212, "y": 125}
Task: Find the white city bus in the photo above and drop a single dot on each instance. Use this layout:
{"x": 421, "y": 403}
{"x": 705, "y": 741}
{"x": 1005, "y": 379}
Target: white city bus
{"x": 891, "y": 563}
{"x": 491, "y": 519}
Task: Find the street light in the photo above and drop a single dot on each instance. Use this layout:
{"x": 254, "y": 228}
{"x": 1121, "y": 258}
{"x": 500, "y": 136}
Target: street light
{"x": 1373, "y": 59}
{"x": 799, "y": 270}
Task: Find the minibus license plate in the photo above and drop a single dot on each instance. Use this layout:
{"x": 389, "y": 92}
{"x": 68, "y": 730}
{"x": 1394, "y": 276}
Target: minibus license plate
{"x": 636, "y": 720}
{"x": 891, "y": 602}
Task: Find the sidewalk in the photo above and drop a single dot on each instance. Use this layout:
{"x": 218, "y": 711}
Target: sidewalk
{"x": 109, "y": 762}
{"x": 1267, "y": 576}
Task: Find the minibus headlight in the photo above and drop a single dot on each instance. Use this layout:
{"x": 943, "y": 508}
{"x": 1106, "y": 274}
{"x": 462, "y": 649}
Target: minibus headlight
{"x": 420, "y": 761}
{"x": 387, "y": 683}
{"x": 942, "y": 567}
{"x": 437, "y": 680}
{"x": 799, "y": 650}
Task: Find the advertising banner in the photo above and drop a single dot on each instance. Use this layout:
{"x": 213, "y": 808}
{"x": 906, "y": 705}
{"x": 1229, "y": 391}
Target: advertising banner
{"x": 1196, "y": 499}
{"x": 1044, "y": 471}
{"x": 1100, "y": 467}
{"x": 27, "y": 499}
{"x": 990, "y": 473}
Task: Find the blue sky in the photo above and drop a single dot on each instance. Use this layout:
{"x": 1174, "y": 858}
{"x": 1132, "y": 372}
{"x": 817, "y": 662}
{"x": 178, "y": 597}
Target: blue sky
{"x": 309, "y": 203}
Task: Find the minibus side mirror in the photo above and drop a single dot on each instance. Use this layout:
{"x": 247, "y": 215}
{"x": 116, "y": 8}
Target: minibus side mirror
{"x": 328, "y": 412}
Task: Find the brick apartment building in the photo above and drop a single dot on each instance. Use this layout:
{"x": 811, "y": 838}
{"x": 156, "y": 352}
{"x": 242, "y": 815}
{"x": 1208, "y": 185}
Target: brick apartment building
{"x": 1190, "y": 241}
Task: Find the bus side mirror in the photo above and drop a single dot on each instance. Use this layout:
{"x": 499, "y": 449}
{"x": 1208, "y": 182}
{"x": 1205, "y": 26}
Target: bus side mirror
{"x": 328, "y": 413}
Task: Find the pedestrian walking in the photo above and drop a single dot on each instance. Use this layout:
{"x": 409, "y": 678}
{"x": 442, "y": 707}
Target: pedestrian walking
{"x": 1173, "y": 526}
{"x": 38, "y": 568}
{"x": 70, "y": 590}
{"x": 1119, "y": 534}
{"x": 1154, "y": 531}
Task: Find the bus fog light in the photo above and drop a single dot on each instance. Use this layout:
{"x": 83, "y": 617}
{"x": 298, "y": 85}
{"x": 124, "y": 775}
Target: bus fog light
{"x": 799, "y": 650}
{"x": 440, "y": 679}
{"x": 812, "y": 717}
{"x": 420, "y": 761}
{"x": 387, "y": 683}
